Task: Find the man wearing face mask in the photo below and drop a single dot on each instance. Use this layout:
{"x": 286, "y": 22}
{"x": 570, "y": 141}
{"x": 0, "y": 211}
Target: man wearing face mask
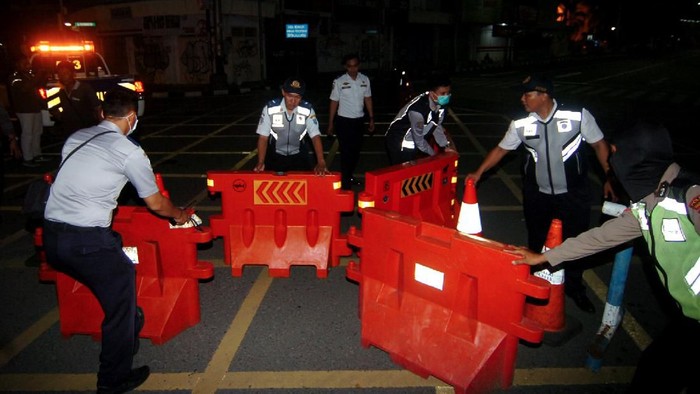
{"x": 419, "y": 123}
{"x": 96, "y": 164}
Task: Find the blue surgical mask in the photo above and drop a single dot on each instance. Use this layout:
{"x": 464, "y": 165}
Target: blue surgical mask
{"x": 444, "y": 100}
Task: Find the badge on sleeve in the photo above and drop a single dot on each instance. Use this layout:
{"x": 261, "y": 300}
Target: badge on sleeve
{"x": 695, "y": 204}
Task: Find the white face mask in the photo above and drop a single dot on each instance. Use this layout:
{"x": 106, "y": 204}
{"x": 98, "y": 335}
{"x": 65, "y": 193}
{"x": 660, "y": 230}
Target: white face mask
{"x": 131, "y": 128}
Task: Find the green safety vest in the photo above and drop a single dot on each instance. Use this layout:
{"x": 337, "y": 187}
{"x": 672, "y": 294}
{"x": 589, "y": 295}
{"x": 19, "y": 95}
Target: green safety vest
{"x": 672, "y": 240}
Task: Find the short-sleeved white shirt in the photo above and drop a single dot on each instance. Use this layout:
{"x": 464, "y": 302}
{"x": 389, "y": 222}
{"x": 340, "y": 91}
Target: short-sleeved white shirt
{"x": 350, "y": 95}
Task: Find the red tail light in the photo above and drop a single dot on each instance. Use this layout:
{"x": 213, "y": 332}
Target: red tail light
{"x": 42, "y": 93}
{"x": 138, "y": 86}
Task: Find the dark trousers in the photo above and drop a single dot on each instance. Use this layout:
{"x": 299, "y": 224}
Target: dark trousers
{"x": 94, "y": 257}
{"x": 574, "y": 211}
{"x": 281, "y": 163}
{"x": 350, "y": 132}
{"x": 670, "y": 363}
{"x": 397, "y": 155}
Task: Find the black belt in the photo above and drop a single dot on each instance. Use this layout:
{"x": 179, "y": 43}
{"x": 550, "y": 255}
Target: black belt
{"x": 69, "y": 228}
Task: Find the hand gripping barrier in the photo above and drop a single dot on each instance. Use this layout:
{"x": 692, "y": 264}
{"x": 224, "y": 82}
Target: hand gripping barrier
{"x": 280, "y": 220}
{"x": 442, "y": 303}
{"x": 424, "y": 189}
{"x": 167, "y": 278}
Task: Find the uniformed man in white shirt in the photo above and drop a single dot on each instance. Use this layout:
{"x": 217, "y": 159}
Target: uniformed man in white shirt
{"x": 350, "y": 97}
{"x": 284, "y": 124}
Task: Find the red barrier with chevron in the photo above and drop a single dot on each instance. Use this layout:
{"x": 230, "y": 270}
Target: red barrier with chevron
{"x": 167, "y": 278}
{"x": 280, "y": 220}
{"x": 442, "y": 303}
{"x": 424, "y": 189}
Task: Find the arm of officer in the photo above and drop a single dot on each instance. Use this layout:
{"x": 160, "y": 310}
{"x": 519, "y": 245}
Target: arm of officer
{"x": 331, "y": 117}
{"x": 321, "y": 162}
{"x": 419, "y": 129}
{"x": 263, "y": 130}
{"x": 491, "y": 159}
{"x": 369, "y": 106}
{"x": 262, "y": 152}
{"x": 164, "y": 207}
{"x": 602, "y": 152}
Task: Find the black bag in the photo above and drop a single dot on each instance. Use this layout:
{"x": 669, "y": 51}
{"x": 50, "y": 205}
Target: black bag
{"x": 38, "y": 191}
{"x": 35, "y": 199}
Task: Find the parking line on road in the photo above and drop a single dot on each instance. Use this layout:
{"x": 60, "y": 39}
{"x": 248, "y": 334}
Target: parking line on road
{"x": 28, "y": 336}
{"x": 223, "y": 356}
{"x": 307, "y": 380}
{"x": 480, "y": 148}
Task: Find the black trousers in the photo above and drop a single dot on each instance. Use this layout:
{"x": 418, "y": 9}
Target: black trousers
{"x": 396, "y": 154}
{"x": 574, "y": 211}
{"x": 350, "y": 132}
{"x": 94, "y": 257}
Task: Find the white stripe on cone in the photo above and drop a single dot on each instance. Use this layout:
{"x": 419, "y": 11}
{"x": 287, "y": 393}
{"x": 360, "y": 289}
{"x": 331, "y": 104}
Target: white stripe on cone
{"x": 555, "y": 278}
{"x": 469, "y": 217}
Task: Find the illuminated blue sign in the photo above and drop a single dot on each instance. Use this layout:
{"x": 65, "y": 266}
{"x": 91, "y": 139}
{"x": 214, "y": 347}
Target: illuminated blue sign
{"x": 297, "y": 30}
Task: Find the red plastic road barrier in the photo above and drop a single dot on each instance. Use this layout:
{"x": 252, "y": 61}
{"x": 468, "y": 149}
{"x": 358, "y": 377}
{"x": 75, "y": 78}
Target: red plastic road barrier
{"x": 424, "y": 189}
{"x": 280, "y": 220}
{"x": 442, "y": 303}
{"x": 167, "y": 278}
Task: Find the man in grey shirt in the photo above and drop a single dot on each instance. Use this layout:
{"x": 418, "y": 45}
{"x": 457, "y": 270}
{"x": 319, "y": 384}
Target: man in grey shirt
{"x": 79, "y": 241}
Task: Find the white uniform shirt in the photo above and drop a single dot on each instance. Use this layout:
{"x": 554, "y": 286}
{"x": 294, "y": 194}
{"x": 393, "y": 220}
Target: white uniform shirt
{"x": 350, "y": 94}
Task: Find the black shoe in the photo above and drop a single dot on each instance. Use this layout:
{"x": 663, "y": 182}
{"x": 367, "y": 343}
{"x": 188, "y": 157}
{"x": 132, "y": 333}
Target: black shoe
{"x": 140, "y": 321}
{"x": 582, "y": 302}
{"x": 136, "y": 377}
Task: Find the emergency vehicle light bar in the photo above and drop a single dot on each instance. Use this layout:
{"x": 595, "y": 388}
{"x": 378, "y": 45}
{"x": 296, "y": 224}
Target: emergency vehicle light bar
{"x": 45, "y": 46}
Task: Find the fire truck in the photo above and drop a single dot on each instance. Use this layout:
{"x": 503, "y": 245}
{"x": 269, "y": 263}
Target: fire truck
{"x": 90, "y": 68}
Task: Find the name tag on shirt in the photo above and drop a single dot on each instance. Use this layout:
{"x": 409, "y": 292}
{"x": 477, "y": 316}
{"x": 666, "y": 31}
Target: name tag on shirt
{"x": 530, "y": 131}
{"x": 671, "y": 229}
{"x": 277, "y": 120}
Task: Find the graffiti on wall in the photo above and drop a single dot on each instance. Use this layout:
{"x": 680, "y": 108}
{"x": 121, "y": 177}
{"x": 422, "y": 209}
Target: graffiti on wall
{"x": 197, "y": 55}
{"x": 152, "y": 58}
{"x": 242, "y": 54}
{"x": 196, "y": 59}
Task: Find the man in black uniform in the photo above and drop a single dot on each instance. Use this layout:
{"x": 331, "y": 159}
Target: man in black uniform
{"x": 79, "y": 106}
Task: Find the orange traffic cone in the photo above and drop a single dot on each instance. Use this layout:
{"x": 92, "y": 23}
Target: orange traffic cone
{"x": 161, "y": 185}
{"x": 550, "y": 314}
{"x": 469, "y": 221}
